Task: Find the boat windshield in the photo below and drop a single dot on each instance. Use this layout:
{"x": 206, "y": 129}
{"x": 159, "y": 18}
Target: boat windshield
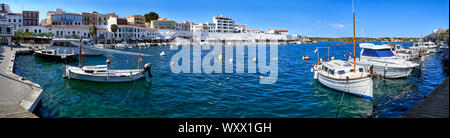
{"x": 378, "y": 53}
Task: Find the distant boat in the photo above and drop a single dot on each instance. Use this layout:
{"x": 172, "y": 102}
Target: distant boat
{"x": 162, "y": 53}
{"x": 52, "y": 54}
{"x": 101, "y": 73}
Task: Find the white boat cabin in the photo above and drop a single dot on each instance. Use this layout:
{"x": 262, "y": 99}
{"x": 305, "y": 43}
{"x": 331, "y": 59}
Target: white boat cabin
{"x": 341, "y": 70}
{"x": 371, "y": 50}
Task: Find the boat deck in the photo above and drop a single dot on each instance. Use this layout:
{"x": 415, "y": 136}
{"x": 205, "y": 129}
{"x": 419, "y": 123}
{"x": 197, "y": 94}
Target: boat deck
{"x": 435, "y": 105}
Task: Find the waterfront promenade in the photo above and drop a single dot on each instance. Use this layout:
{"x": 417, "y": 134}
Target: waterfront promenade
{"x": 18, "y": 96}
{"x": 435, "y": 105}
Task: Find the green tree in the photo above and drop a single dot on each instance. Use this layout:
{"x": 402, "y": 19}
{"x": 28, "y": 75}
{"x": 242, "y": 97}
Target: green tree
{"x": 151, "y": 16}
{"x": 114, "y": 28}
{"x": 93, "y": 32}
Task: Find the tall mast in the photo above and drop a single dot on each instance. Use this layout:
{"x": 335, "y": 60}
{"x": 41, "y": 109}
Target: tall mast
{"x": 354, "y": 42}
{"x": 79, "y": 54}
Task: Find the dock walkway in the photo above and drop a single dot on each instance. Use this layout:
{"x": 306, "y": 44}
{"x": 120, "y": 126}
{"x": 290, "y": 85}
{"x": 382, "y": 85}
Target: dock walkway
{"x": 435, "y": 105}
{"x": 18, "y": 96}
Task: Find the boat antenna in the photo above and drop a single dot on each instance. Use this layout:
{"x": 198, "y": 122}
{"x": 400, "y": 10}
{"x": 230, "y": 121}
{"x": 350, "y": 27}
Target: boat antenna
{"x": 354, "y": 39}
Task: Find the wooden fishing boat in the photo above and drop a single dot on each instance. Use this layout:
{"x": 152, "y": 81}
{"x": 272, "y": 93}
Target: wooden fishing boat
{"x": 101, "y": 73}
{"x": 54, "y": 55}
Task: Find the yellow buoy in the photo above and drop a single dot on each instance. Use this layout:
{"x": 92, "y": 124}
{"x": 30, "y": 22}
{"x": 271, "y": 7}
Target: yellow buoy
{"x": 220, "y": 57}
{"x": 140, "y": 47}
{"x": 332, "y": 58}
{"x": 305, "y": 58}
{"x": 220, "y": 83}
{"x": 254, "y": 59}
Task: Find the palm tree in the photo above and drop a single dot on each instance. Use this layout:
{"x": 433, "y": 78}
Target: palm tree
{"x": 93, "y": 32}
{"x": 114, "y": 28}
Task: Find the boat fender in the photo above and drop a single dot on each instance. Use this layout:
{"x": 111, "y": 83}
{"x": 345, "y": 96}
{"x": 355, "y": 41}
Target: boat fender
{"x": 220, "y": 57}
{"x": 147, "y": 67}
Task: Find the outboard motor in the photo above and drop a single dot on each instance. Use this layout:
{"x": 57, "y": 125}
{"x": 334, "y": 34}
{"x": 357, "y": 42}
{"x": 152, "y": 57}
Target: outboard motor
{"x": 147, "y": 67}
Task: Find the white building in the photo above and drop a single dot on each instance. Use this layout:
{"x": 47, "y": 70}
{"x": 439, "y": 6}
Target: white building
{"x": 15, "y": 19}
{"x": 70, "y": 31}
{"x": 34, "y": 29}
{"x": 277, "y": 31}
{"x": 254, "y": 31}
{"x": 6, "y": 29}
{"x": 223, "y": 24}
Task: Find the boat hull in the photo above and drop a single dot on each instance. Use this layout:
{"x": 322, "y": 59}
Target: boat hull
{"x": 102, "y": 78}
{"x": 76, "y": 50}
{"x": 361, "y": 87}
{"x": 390, "y": 72}
{"x": 55, "y": 57}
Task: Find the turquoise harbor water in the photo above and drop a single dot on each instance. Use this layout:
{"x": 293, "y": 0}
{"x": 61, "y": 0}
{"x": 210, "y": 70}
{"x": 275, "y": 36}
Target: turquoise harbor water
{"x": 168, "y": 95}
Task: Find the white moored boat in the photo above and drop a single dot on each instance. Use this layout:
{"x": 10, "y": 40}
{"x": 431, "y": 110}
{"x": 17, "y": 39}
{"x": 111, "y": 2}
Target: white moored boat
{"x": 71, "y": 45}
{"x": 340, "y": 75}
{"x": 384, "y": 61}
{"x": 101, "y": 73}
{"x": 432, "y": 47}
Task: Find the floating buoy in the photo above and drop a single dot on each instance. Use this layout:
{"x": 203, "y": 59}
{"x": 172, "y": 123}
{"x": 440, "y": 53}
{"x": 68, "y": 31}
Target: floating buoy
{"x": 345, "y": 56}
{"x": 220, "y": 57}
{"x": 162, "y": 53}
{"x": 332, "y": 58}
{"x": 305, "y": 58}
{"x": 254, "y": 59}
{"x": 220, "y": 83}
{"x": 140, "y": 47}
{"x": 83, "y": 53}
{"x": 230, "y": 61}
{"x": 108, "y": 61}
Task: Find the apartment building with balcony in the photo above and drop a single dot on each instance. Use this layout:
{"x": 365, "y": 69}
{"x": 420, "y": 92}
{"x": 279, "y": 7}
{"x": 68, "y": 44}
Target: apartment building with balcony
{"x": 224, "y": 24}
{"x": 89, "y": 18}
{"x": 60, "y": 17}
{"x": 163, "y": 24}
{"x": 136, "y": 20}
{"x": 183, "y": 26}
{"x": 30, "y": 18}
{"x": 102, "y": 19}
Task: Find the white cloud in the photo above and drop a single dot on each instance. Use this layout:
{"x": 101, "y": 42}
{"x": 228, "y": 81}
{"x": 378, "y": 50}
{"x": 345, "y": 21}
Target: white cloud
{"x": 337, "y": 26}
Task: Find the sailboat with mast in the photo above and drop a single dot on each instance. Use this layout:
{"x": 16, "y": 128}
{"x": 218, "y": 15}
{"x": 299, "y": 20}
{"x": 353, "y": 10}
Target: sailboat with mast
{"x": 344, "y": 76}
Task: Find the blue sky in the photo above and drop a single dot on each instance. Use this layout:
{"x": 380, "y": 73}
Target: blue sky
{"x": 316, "y": 18}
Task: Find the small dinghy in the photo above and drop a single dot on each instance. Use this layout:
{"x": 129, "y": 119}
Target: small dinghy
{"x": 53, "y": 54}
{"x": 101, "y": 73}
